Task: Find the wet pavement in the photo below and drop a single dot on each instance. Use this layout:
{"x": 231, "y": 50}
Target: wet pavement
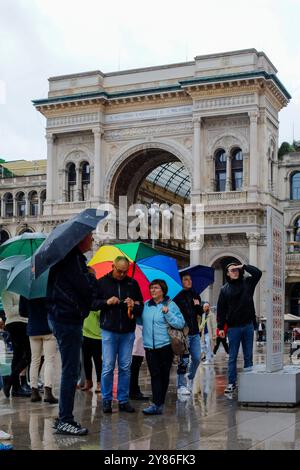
{"x": 206, "y": 420}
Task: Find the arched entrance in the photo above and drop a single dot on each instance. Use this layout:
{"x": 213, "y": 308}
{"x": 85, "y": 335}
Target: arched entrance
{"x": 219, "y": 265}
{"x": 154, "y": 176}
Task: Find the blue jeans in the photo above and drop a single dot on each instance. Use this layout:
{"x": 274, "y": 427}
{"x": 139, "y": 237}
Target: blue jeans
{"x": 69, "y": 339}
{"x": 195, "y": 355}
{"x": 116, "y": 345}
{"x": 236, "y": 336}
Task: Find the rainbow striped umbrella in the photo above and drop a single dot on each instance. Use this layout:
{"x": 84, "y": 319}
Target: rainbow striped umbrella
{"x": 146, "y": 264}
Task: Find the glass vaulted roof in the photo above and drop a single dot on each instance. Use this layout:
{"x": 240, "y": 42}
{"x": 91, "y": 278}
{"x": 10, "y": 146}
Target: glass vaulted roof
{"x": 172, "y": 177}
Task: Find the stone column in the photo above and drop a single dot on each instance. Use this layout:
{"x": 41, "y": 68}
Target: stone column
{"x": 50, "y": 168}
{"x": 270, "y": 174}
{"x": 228, "y": 184}
{"x": 196, "y": 154}
{"x": 27, "y": 205}
{"x": 78, "y": 184}
{"x": 14, "y": 206}
{"x": 253, "y": 115}
{"x": 98, "y": 166}
{"x": 2, "y": 207}
{"x": 40, "y": 206}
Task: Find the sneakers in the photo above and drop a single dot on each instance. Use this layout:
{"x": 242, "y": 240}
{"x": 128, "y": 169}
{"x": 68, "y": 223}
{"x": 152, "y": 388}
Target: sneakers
{"x": 153, "y": 410}
{"x": 106, "y": 406}
{"x": 4, "y": 436}
{"x": 183, "y": 390}
{"x": 230, "y": 388}
{"x": 207, "y": 361}
{"x": 126, "y": 407}
{"x": 5, "y": 446}
{"x": 248, "y": 369}
{"x": 72, "y": 428}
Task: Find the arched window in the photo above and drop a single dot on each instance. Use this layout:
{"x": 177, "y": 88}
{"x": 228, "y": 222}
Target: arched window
{"x": 25, "y": 230}
{"x": 71, "y": 181}
{"x": 21, "y": 203}
{"x": 220, "y": 170}
{"x": 295, "y": 186}
{"x": 8, "y": 205}
{"x": 43, "y": 199}
{"x": 237, "y": 169}
{"x": 3, "y": 236}
{"x": 85, "y": 180}
{"x": 33, "y": 204}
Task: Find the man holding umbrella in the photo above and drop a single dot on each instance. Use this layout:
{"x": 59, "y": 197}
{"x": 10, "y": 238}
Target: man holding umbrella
{"x": 120, "y": 301}
{"x": 70, "y": 292}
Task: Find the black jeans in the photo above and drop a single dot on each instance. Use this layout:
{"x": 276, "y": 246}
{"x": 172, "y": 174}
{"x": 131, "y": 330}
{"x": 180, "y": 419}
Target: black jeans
{"x": 69, "y": 339}
{"x": 218, "y": 342}
{"x": 136, "y": 363}
{"x": 21, "y": 350}
{"x": 159, "y": 363}
{"x": 92, "y": 349}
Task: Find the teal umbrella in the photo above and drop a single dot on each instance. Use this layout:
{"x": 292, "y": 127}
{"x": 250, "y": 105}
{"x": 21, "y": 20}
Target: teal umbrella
{"x": 25, "y": 244}
{"x": 6, "y": 265}
{"x": 21, "y": 281}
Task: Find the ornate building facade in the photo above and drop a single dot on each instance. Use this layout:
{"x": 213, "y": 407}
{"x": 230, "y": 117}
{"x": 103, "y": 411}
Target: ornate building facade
{"x": 213, "y": 122}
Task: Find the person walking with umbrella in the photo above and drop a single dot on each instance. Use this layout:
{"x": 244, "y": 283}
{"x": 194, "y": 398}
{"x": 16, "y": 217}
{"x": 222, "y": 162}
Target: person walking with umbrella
{"x": 70, "y": 292}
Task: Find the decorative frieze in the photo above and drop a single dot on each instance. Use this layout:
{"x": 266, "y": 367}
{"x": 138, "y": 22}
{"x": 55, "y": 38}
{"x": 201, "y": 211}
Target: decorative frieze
{"x": 148, "y": 114}
{"x": 76, "y": 119}
{"x": 224, "y": 102}
{"x": 149, "y": 131}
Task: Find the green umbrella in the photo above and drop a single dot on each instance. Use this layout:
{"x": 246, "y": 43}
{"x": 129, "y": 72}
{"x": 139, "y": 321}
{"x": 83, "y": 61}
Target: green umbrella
{"x": 6, "y": 265}
{"x": 25, "y": 244}
{"x": 21, "y": 281}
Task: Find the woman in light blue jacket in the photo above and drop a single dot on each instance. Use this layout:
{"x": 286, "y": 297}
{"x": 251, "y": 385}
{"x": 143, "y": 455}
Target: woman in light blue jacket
{"x": 158, "y": 313}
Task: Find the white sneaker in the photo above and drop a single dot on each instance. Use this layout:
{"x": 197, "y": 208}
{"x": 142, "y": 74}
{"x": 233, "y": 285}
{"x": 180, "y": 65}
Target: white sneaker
{"x": 248, "y": 369}
{"x": 4, "y": 436}
{"x": 230, "y": 388}
{"x": 207, "y": 362}
{"x": 183, "y": 390}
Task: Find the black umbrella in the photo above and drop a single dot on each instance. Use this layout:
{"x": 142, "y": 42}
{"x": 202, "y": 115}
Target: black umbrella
{"x": 64, "y": 238}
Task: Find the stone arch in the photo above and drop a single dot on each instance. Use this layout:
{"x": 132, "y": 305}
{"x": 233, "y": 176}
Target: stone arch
{"x": 228, "y": 141}
{"x": 293, "y": 220}
{"x": 25, "y": 229}
{"x": 77, "y": 155}
{"x": 133, "y": 151}
{"x": 228, "y": 254}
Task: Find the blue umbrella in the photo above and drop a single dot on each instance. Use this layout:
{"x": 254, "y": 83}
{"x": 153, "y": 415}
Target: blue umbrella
{"x": 6, "y": 265}
{"x": 64, "y": 238}
{"x": 22, "y": 281}
{"x": 202, "y": 276}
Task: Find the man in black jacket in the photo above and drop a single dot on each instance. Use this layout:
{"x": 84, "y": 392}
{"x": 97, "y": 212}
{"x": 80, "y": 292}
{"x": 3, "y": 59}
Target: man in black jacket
{"x": 70, "y": 292}
{"x": 189, "y": 303}
{"x": 236, "y": 308}
{"x": 120, "y": 300}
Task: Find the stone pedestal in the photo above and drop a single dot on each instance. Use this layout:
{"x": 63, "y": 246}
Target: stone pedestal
{"x": 261, "y": 388}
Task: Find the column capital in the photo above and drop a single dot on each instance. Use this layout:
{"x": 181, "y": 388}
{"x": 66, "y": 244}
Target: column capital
{"x": 253, "y": 237}
{"x": 253, "y": 115}
{"x": 50, "y": 137}
{"x": 98, "y": 131}
{"x": 197, "y": 121}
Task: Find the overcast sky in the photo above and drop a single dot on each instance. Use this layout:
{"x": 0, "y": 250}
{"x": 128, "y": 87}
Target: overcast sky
{"x": 44, "y": 38}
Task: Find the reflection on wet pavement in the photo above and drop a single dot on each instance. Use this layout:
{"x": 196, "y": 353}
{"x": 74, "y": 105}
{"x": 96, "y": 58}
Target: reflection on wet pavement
{"x": 206, "y": 420}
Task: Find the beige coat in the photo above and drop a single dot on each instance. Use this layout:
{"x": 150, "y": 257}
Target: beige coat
{"x": 211, "y": 325}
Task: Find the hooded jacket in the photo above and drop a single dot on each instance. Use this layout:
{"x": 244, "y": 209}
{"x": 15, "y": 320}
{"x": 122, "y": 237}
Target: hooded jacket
{"x": 235, "y": 304}
{"x": 115, "y": 317}
{"x": 190, "y": 312}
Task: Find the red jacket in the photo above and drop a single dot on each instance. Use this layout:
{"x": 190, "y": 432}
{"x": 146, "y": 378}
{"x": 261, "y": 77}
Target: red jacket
{"x": 225, "y": 330}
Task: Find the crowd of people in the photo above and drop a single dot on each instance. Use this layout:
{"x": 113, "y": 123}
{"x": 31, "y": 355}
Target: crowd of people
{"x": 105, "y": 322}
